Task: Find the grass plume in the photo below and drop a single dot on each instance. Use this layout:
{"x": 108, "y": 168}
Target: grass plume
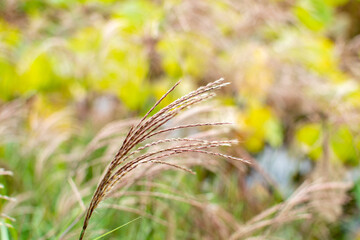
{"x": 128, "y": 159}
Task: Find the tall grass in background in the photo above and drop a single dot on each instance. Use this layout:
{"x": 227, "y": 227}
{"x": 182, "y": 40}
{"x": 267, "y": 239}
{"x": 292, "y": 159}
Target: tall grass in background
{"x": 137, "y": 180}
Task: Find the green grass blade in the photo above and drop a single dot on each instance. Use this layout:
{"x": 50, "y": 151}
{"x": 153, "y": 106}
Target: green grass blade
{"x": 4, "y": 232}
{"x": 107, "y": 233}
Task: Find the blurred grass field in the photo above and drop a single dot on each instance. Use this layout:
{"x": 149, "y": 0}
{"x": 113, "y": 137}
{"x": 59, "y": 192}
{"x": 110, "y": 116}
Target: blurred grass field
{"x": 76, "y": 75}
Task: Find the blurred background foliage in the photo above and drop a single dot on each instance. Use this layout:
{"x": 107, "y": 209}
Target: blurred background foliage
{"x": 294, "y": 68}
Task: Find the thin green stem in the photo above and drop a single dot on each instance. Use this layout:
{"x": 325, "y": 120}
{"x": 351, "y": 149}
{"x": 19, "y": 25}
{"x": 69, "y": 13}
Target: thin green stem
{"x": 117, "y": 228}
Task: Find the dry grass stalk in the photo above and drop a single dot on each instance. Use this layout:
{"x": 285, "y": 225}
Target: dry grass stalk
{"x": 11, "y": 116}
{"x": 126, "y": 160}
{"x": 298, "y": 207}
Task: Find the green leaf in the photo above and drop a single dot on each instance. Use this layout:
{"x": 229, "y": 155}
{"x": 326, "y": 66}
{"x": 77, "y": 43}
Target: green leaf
{"x": 357, "y": 193}
{"x": 343, "y": 145}
{"x": 273, "y": 132}
{"x": 314, "y": 14}
{"x": 309, "y": 138}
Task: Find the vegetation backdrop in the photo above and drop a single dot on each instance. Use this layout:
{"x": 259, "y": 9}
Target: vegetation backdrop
{"x": 76, "y": 75}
